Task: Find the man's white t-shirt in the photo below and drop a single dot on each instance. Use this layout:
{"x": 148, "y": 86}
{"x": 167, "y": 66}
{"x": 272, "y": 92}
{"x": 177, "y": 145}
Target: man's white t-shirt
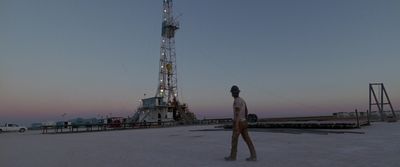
{"x": 241, "y": 104}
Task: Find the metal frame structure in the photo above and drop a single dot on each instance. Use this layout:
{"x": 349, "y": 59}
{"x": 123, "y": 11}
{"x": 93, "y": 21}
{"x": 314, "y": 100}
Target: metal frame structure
{"x": 168, "y": 77}
{"x": 165, "y": 106}
{"x": 379, "y": 100}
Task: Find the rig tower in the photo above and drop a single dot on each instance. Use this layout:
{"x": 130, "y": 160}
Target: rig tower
{"x": 165, "y": 105}
{"x": 168, "y": 80}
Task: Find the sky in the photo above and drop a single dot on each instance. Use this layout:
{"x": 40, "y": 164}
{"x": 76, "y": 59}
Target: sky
{"x": 93, "y": 58}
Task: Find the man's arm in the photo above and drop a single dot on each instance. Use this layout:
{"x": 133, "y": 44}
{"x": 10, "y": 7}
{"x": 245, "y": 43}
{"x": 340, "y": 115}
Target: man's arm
{"x": 236, "y": 118}
{"x": 246, "y": 111}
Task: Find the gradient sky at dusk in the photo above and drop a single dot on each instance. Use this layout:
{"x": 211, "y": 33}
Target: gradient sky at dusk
{"x": 90, "y": 58}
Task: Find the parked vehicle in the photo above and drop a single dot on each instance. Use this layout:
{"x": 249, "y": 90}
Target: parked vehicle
{"x": 252, "y": 118}
{"x": 12, "y": 128}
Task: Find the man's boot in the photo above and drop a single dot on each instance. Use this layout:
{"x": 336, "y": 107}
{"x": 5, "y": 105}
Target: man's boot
{"x": 252, "y": 158}
{"x": 229, "y": 158}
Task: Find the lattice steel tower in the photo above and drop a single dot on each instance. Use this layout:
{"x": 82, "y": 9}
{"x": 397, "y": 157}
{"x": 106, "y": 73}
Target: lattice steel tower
{"x": 165, "y": 106}
{"x": 168, "y": 80}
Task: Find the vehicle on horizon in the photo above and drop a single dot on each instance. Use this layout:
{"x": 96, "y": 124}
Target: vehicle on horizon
{"x": 12, "y": 128}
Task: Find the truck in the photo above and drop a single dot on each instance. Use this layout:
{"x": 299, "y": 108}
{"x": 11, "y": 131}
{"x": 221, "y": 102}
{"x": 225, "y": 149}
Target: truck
{"x": 12, "y": 128}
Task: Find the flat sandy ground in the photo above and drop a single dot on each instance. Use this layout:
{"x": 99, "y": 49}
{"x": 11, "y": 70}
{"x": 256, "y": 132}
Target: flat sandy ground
{"x": 377, "y": 145}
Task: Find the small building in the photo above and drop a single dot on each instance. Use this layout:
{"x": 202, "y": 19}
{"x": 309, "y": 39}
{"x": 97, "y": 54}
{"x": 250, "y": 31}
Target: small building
{"x": 154, "y": 109}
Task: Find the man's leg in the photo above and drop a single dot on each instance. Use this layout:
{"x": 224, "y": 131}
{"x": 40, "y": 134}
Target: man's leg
{"x": 246, "y": 137}
{"x": 234, "y": 143}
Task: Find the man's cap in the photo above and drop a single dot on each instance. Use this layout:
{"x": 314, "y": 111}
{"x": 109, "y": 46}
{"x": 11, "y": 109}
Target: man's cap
{"x": 235, "y": 89}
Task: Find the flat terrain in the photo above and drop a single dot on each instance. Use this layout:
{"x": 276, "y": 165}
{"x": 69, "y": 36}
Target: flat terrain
{"x": 377, "y": 145}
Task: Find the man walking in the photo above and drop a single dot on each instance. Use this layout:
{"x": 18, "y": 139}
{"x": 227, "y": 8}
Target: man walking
{"x": 240, "y": 126}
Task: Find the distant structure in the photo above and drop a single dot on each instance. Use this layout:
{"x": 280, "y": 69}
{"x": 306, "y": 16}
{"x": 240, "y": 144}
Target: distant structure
{"x": 165, "y": 106}
{"x": 378, "y": 99}
{"x": 350, "y": 115}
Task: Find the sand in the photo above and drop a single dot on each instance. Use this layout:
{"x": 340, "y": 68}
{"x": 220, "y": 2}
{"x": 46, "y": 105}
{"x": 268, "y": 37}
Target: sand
{"x": 376, "y": 145}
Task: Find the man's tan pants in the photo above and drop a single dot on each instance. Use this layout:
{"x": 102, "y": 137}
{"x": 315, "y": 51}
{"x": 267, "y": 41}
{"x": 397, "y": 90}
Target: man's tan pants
{"x": 235, "y": 136}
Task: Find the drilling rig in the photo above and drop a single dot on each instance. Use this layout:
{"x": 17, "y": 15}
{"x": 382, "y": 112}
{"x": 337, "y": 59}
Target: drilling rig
{"x": 165, "y": 105}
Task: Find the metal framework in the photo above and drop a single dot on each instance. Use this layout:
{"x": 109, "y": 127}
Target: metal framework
{"x": 165, "y": 106}
{"x": 379, "y": 101}
{"x": 168, "y": 80}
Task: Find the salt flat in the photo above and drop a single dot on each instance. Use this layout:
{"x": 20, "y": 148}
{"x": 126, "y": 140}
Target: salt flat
{"x": 181, "y": 146}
